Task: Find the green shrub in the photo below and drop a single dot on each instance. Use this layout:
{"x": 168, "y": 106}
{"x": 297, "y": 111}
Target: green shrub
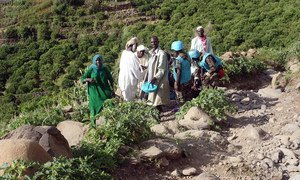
{"x": 212, "y": 101}
{"x": 59, "y": 168}
{"x": 128, "y": 121}
{"x": 243, "y": 66}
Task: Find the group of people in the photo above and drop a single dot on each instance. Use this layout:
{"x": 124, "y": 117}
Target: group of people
{"x": 178, "y": 74}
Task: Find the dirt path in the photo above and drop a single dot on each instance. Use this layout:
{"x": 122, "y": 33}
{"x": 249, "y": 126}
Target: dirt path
{"x": 262, "y": 141}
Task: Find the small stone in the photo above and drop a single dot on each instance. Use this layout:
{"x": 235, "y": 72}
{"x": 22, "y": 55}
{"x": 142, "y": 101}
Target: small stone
{"x": 292, "y": 168}
{"x": 277, "y": 156}
{"x": 234, "y": 136}
{"x": 237, "y": 159}
{"x": 272, "y": 120}
{"x": 294, "y": 162}
{"x": 290, "y": 128}
{"x": 260, "y": 156}
{"x": 67, "y": 109}
{"x": 175, "y": 173}
{"x": 163, "y": 162}
{"x": 295, "y": 176}
{"x": 245, "y": 101}
{"x": 189, "y": 171}
{"x": 206, "y": 176}
{"x": 297, "y": 87}
{"x": 269, "y": 162}
{"x": 263, "y": 107}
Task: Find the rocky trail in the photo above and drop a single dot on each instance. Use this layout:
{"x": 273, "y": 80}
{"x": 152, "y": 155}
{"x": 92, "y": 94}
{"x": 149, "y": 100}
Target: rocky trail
{"x": 262, "y": 140}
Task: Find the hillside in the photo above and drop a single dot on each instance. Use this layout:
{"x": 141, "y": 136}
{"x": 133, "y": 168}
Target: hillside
{"x": 45, "y": 45}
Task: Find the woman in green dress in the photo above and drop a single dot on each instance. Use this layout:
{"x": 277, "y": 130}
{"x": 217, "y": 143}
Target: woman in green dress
{"x": 100, "y": 86}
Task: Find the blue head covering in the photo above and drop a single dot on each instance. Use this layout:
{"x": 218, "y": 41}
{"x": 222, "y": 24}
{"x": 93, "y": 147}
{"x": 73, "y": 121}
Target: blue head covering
{"x": 94, "y": 65}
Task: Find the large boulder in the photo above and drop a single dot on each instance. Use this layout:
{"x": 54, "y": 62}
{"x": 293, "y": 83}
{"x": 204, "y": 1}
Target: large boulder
{"x": 49, "y": 137}
{"x": 73, "y": 131}
{"x": 195, "y": 119}
{"x": 28, "y": 150}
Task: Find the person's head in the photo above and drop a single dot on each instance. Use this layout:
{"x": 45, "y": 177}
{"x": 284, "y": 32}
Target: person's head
{"x": 131, "y": 45}
{"x": 177, "y": 47}
{"x": 154, "y": 42}
{"x": 200, "y": 31}
{"x": 141, "y": 50}
{"x": 195, "y": 55}
{"x": 98, "y": 60}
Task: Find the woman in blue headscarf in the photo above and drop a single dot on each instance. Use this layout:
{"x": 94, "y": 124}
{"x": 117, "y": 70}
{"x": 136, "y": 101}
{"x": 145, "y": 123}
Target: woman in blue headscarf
{"x": 100, "y": 85}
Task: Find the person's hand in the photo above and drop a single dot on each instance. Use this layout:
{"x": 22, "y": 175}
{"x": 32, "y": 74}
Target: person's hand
{"x": 154, "y": 80}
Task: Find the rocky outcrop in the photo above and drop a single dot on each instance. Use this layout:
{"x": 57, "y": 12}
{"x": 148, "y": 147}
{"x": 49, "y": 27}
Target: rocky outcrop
{"x": 49, "y": 137}
{"x": 28, "y": 150}
{"x": 73, "y": 131}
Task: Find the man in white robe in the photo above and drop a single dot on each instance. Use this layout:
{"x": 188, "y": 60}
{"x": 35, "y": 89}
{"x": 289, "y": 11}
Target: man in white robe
{"x": 130, "y": 71}
{"x": 201, "y": 42}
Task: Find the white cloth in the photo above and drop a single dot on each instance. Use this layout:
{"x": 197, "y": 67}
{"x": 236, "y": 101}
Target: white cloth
{"x": 197, "y": 44}
{"x": 154, "y": 55}
{"x": 129, "y": 75}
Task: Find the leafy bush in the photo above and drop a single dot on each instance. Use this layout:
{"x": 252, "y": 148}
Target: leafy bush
{"x": 212, "y": 101}
{"x": 128, "y": 121}
{"x": 60, "y": 168}
{"x": 242, "y": 66}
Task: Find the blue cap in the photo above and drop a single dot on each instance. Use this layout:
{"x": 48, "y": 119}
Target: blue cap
{"x": 194, "y": 54}
{"x": 177, "y": 46}
{"x": 148, "y": 87}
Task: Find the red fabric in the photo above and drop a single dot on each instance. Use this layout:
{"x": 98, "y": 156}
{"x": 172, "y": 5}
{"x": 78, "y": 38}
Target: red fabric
{"x": 221, "y": 73}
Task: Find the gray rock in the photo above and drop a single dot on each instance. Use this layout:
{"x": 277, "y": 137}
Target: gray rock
{"x": 159, "y": 130}
{"x": 270, "y": 93}
{"x": 194, "y": 125}
{"x": 175, "y": 173}
{"x": 292, "y": 168}
{"x": 269, "y": 162}
{"x": 288, "y": 154}
{"x": 295, "y": 176}
{"x": 67, "y": 109}
{"x": 151, "y": 153}
{"x": 49, "y": 137}
{"x": 275, "y": 80}
{"x": 260, "y": 156}
{"x": 295, "y": 68}
{"x": 73, "y": 131}
{"x": 236, "y": 98}
{"x": 237, "y": 159}
{"x": 272, "y": 120}
{"x": 254, "y": 133}
{"x": 277, "y": 156}
{"x": 190, "y": 134}
{"x": 189, "y": 171}
{"x": 163, "y": 162}
{"x": 295, "y": 135}
{"x": 293, "y": 162}
{"x": 297, "y": 87}
{"x": 263, "y": 107}
{"x": 206, "y": 176}
{"x": 158, "y": 148}
{"x": 290, "y": 128}
{"x": 195, "y": 113}
{"x": 246, "y": 101}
